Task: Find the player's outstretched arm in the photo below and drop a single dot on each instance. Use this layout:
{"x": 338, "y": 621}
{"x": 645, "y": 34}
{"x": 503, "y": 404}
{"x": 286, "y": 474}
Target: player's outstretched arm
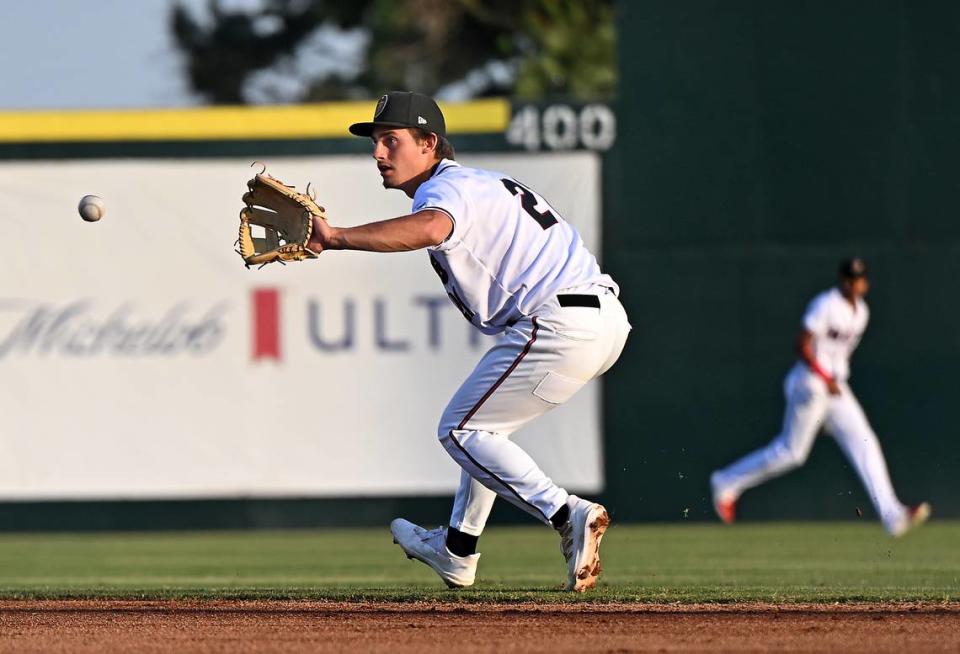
{"x": 411, "y": 232}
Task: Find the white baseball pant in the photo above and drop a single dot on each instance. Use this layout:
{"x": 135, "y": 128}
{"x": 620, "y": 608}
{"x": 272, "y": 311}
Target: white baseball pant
{"x": 810, "y": 407}
{"x": 537, "y": 364}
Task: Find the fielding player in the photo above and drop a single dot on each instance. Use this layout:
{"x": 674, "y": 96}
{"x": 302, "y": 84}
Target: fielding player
{"x": 514, "y": 267}
{"x": 818, "y": 396}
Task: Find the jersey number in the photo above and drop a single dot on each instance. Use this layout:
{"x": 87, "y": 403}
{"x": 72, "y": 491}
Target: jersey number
{"x": 528, "y": 201}
{"x": 452, "y": 292}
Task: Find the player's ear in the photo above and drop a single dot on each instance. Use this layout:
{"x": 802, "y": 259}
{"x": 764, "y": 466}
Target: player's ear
{"x": 430, "y": 143}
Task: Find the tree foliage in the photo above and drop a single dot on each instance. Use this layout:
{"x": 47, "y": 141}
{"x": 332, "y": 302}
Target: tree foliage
{"x": 540, "y": 48}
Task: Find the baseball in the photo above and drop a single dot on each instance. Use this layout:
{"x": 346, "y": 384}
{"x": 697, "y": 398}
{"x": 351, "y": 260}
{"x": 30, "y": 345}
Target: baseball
{"x": 91, "y": 208}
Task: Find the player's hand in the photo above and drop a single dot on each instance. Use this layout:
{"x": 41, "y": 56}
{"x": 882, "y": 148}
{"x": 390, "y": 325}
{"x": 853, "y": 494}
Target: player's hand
{"x": 833, "y": 387}
{"x": 321, "y": 236}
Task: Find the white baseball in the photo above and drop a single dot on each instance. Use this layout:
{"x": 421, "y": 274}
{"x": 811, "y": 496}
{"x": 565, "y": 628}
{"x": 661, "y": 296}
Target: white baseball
{"x": 91, "y": 208}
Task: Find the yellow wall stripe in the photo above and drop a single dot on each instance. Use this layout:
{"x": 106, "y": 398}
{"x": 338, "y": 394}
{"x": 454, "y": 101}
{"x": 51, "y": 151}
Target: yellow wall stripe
{"x": 329, "y": 120}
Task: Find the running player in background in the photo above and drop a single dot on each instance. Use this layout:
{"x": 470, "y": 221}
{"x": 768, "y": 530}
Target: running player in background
{"x": 818, "y": 396}
{"x": 512, "y": 266}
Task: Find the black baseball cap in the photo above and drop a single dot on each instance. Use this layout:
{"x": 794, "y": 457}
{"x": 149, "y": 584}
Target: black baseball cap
{"x": 404, "y": 109}
{"x": 853, "y": 268}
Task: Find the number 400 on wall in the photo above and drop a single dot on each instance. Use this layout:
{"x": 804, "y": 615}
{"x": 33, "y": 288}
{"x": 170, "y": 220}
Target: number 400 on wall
{"x": 563, "y": 127}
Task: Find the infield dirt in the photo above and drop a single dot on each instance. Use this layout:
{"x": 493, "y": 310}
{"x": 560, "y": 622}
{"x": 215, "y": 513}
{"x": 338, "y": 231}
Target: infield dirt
{"x": 301, "y": 626}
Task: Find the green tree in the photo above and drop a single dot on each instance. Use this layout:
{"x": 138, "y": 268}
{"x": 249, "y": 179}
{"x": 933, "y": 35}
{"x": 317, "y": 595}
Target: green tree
{"x": 541, "y": 47}
{"x": 567, "y": 48}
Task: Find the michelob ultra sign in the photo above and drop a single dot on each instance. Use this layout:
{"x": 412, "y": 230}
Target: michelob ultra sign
{"x": 139, "y": 358}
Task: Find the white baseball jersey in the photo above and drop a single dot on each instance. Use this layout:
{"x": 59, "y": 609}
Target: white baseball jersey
{"x": 509, "y": 252}
{"x": 837, "y": 328}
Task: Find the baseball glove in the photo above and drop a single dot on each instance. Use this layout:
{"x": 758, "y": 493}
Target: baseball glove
{"x": 286, "y": 217}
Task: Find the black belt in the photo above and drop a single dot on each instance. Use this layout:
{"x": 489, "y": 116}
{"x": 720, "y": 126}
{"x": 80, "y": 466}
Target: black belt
{"x": 574, "y": 300}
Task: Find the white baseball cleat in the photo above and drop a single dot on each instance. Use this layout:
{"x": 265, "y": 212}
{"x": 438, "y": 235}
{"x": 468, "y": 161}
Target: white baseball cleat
{"x": 580, "y": 542}
{"x": 430, "y": 546}
{"x": 914, "y": 516}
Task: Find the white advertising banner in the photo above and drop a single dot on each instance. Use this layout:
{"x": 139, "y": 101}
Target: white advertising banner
{"x": 140, "y": 359}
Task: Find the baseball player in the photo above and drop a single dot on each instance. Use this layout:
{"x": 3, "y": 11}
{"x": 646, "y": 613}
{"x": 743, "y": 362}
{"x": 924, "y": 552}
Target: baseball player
{"x": 818, "y": 396}
{"x": 512, "y": 266}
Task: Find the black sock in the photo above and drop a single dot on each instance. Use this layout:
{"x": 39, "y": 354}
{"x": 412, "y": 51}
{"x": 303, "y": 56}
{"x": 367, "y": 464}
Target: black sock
{"x": 461, "y": 544}
{"x": 560, "y": 517}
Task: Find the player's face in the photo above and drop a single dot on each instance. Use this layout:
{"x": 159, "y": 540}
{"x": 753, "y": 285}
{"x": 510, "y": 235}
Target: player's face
{"x": 399, "y": 157}
{"x": 857, "y": 286}
{"x": 860, "y": 286}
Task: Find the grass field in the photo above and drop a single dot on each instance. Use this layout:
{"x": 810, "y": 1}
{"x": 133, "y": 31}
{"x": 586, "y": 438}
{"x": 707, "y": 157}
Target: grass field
{"x": 771, "y": 562}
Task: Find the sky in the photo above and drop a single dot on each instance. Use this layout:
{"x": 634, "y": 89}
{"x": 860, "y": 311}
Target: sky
{"x": 66, "y": 54}
{"x": 106, "y": 54}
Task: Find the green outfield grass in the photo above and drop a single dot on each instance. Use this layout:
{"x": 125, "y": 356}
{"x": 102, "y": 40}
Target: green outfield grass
{"x": 785, "y": 562}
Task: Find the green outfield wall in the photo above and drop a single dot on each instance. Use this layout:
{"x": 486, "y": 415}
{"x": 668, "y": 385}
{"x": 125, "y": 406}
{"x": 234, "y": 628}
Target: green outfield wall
{"x": 758, "y": 143}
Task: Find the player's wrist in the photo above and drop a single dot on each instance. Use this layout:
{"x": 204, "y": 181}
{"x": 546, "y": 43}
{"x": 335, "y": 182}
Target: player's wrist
{"x": 333, "y": 238}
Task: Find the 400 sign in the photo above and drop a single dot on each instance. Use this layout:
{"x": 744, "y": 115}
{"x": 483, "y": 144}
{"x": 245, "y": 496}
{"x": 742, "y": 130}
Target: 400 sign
{"x": 563, "y": 127}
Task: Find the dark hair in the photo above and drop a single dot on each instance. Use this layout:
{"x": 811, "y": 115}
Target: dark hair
{"x": 444, "y": 149}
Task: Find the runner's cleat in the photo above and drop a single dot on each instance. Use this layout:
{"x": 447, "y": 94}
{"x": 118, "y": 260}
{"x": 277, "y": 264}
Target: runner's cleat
{"x": 726, "y": 508}
{"x": 724, "y": 502}
{"x": 915, "y": 516}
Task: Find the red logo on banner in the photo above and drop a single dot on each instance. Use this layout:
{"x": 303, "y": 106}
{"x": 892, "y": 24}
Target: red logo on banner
{"x": 266, "y": 323}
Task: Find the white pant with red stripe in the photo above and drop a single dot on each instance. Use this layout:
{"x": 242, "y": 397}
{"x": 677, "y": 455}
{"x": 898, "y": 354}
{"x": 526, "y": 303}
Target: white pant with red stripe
{"x": 810, "y": 407}
{"x": 538, "y": 364}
